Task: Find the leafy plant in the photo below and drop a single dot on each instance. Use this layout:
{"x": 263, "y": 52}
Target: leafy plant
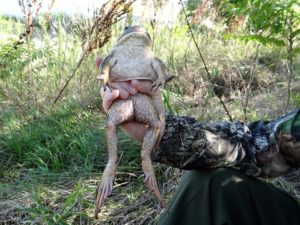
{"x": 12, "y": 60}
{"x": 270, "y": 22}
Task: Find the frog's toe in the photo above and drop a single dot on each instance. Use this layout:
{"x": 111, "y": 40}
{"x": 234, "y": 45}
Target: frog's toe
{"x": 103, "y": 191}
{"x": 151, "y": 183}
{"x": 155, "y": 86}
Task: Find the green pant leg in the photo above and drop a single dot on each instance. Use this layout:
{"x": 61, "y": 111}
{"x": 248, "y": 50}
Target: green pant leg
{"x": 225, "y": 196}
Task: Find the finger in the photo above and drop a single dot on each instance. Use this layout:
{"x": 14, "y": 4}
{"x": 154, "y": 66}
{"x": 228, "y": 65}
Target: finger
{"x": 108, "y": 94}
{"x": 108, "y": 97}
{"x": 128, "y": 87}
{"x": 143, "y": 86}
{"x": 122, "y": 92}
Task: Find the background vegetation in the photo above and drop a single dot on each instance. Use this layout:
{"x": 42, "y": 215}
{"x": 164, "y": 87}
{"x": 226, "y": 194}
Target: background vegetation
{"x": 52, "y": 149}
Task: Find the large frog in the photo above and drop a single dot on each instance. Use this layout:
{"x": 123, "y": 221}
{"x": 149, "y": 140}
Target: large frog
{"x": 131, "y": 58}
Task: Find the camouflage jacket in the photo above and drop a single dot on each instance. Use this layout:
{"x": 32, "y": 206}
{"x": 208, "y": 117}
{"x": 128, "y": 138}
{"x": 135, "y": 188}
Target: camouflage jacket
{"x": 261, "y": 148}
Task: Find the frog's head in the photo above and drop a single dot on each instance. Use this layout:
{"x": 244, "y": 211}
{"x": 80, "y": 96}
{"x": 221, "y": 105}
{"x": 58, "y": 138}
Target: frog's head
{"x": 135, "y": 35}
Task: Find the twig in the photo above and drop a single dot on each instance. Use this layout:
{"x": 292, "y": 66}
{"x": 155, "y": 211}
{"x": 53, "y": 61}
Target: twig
{"x": 203, "y": 61}
{"x": 290, "y": 58}
{"x": 78, "y": 64}
{"x": 99, "y": 33}
{"x": 250, "y": 73}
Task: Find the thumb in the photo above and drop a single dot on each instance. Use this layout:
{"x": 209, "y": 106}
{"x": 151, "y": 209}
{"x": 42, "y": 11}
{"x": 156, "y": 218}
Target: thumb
{"x": 108, "y": 97}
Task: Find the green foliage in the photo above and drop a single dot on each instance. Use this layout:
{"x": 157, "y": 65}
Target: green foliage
{"x": 296, "y": 98}
{"x": 32, "y": 73}
{"x": 267, "y": 19}
{"x": 260, "y": 39}
{"x": 271, "y": 22}
{"x": 12, "y": 59}
{"x": 167, "y": 99}
{"x": 56, "y": 139}
{"x": 10, "y": 25}
{"x": 192, "y": 5}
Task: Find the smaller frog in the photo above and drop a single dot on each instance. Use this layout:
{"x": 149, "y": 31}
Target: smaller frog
{"x": 132, "y": 59}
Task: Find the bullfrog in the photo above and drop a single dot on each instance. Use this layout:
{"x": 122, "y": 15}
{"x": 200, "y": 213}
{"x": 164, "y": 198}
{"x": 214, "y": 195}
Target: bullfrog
{"x": 132, "y": 58}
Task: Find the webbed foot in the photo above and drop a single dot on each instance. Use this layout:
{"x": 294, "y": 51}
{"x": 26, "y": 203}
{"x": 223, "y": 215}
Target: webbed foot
{"x": 151, "y": 183}
{"x": 102, "y": 192}
{"x": 159, "y": 82}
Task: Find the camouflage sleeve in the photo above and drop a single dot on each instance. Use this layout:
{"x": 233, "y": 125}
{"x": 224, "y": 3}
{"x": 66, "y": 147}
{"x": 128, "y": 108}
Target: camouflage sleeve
{"x": 188, "y": 144}
{"x": 260, "y": 148}
{"x": 277, "y": 144}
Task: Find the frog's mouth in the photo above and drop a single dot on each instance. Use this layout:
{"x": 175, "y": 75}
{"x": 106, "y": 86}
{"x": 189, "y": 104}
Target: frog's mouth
{"x": 135, "y": 29}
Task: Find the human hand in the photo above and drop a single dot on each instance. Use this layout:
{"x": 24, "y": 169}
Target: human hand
{"x": 125, "y": 89}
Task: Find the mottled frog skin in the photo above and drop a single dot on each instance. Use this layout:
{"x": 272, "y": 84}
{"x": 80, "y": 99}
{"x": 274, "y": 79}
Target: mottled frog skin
{"x": 132, "y": 58}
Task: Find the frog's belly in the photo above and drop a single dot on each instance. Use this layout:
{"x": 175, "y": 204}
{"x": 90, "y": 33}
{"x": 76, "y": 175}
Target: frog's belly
{"x": 131, "y": 71}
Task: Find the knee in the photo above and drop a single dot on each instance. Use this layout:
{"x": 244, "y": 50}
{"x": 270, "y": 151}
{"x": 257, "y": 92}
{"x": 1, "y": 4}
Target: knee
{"x": 110, "y": 124}
{"x": 157, "y": 125}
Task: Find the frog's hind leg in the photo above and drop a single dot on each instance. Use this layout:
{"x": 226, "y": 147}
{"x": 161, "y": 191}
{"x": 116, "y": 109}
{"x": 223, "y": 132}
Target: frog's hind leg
{"x": 120, "y": 112}
{"x": 148, "y": 115}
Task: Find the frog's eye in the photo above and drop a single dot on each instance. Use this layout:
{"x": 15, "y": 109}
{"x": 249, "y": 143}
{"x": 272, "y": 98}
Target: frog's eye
{"x": 126, "y": 28}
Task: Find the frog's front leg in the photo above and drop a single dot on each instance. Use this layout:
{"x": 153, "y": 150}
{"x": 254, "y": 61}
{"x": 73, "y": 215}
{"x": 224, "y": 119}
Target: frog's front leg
{"x": 108, "y": 62}
{"x": 160, "y": 109}
{"x": 162, "y": 75}
{"x": 120, "y": 112}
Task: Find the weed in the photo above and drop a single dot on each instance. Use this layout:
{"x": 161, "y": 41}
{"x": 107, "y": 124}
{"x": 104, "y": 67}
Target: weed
{"x": 56, "y": 139}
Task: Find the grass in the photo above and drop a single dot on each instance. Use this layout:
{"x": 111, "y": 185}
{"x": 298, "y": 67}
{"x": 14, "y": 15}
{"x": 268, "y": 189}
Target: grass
{"x": 51, "y": 163}
{"x": 51, "y": 156}
{"x": 55, "y": 140}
